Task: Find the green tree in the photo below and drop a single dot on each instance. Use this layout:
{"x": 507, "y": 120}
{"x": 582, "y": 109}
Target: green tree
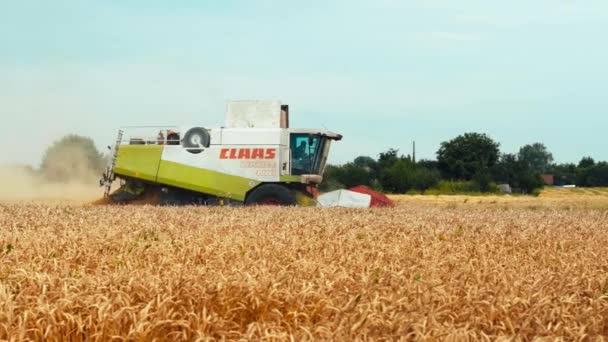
{"x": 404, "y": 175}
{"x": 331, "y": 178}
{"x": 536, "y": 157}
{"x": 505, "y": 170}
{"x": 586, "y": 162}
{"x": 593, "y": 176}
{"x": 428, "y": 164}
{"x": 352, "y": 175}
{"x": 388, "y": 158}
{"x": 516, "y": 173}
{"x": 399, "y": 177}
{"x": 389, "y": 165}
{"x": 72, "y": 157}
{"x": 425, "y": 178}
{"x": 527, "y": 182}
{"x": 365, "y": 161}
{"x": 467, "y": 155}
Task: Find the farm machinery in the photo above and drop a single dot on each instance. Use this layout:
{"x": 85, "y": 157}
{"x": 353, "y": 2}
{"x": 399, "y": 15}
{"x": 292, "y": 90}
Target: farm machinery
{"x": 255, "y": 159}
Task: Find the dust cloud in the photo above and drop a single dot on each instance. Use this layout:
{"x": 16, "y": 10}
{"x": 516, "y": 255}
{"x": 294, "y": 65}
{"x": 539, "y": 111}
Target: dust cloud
{"x": 19, "y": 184}
{"x": 69, "y": 172}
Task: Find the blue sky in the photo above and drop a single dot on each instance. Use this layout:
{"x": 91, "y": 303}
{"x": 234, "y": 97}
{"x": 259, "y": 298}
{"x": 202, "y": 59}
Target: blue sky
{"x": 382, "y": 73}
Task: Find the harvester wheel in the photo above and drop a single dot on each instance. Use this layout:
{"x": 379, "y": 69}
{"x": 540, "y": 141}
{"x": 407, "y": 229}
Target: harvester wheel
{"x": 196, "y": 139}
{"x": 173, "y": 139}
{"x": 271, "y": 194}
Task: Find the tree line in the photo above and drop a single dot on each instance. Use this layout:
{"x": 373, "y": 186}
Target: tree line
{"x": 471, "y": 162}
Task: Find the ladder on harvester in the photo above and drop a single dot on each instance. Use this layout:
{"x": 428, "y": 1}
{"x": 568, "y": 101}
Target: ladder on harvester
{"x": 109, "y": 175}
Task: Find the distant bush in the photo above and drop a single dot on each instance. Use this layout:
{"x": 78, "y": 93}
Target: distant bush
{"x": 426, "y": 178}
{"x": 404, "y": 176}
{"x": 528, "y": 183}
{"x": 461, "y": 187}
{"x": 482, "y": 181}
{"x": 392, "y": 173}
{"x": 346, "y": 176}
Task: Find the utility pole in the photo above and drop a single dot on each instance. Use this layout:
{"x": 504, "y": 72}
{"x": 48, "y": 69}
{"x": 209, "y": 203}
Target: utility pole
{"x": 414, "y": 151}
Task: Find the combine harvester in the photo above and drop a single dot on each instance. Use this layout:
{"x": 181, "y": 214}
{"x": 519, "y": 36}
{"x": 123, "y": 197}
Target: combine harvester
{"x": 256, "y": 159}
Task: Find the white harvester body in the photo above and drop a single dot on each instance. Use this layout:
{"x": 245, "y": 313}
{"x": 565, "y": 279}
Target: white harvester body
{"x": 256, "y": 147}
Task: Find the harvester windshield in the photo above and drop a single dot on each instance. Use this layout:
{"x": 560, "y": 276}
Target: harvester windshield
{"x": 309, "y": 153}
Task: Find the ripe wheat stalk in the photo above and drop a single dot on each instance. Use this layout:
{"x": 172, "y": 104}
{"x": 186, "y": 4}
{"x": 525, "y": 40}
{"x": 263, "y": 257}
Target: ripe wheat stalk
{"x": 417, "y": 271}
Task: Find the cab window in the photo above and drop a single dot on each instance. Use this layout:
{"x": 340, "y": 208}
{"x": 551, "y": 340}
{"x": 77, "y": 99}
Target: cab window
{"x": 304, "y": 153}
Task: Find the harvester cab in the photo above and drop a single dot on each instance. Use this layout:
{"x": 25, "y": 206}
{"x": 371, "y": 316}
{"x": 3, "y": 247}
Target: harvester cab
{"x": 256, "y": 158}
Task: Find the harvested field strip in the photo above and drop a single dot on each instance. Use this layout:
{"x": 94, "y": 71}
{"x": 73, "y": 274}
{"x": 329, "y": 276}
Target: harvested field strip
{"x": 550, "y": 198}
{"x": 415, "y": 271}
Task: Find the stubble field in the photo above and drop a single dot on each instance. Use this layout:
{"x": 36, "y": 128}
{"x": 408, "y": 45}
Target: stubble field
{"x": 430, "y": 268}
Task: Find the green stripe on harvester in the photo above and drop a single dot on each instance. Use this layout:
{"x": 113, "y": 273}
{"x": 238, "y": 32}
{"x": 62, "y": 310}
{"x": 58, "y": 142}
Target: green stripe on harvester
{"x": 205, "y": 181}
{"x": 138, "y": 161}
{"x": 291, "y": 179}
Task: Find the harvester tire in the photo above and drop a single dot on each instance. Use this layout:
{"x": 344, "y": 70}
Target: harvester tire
{"x": 173, "y": 139}
{"x": 196, "y": 139}
{"x": 271, "y": 194}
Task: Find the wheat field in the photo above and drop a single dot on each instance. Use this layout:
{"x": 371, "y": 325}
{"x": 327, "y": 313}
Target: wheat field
{"x": 432, "y": 268}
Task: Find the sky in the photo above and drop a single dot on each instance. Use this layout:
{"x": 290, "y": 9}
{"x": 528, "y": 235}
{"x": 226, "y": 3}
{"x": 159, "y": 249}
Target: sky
{"x": 383, "y": 73}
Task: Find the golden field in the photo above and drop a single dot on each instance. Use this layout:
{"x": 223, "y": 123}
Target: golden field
{"x": 445, "y": 267}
